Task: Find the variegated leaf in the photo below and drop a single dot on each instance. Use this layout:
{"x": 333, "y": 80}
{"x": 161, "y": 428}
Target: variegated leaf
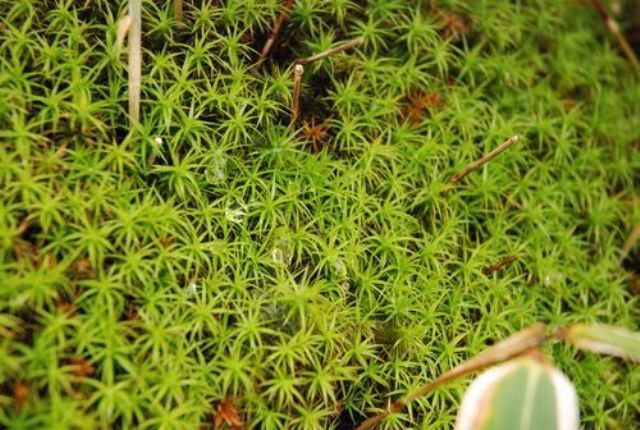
{"x": 523, "y": 394}
{"x": 605, "y": 339}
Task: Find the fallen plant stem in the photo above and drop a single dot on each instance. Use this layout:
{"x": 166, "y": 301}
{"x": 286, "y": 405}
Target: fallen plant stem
{"x": 479, "y": 163}
{"x": 499, "y": 265}
{"x": 23, "y": 226}
{"x": 332, "y": 51}
{"x": 135, "y": 59}
{"x": 520, "y": 343}
{"x": 124, "y": 25}
{"x": 274, "y": 32}
{"x": 631, "y": 241}
{"x": 613, "y": 28}
{"x": 295, "y": 104}
{"x": 178, "y": 10}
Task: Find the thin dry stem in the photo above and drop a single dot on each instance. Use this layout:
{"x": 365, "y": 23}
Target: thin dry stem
{"x": 274, "y": 32}
{"x": 332, "y": 51}
{"x": 631, "y": 241}
{"x": 297, "y": 83}
{"x": 481, "y": 162}
{"x": 179, "y": 10}
{"x": 516, "y": 345}
{"x": 135, "y": 59}
{"x": 124, "y": 25}
{"x": 613, "y": 28}
{"x": 499, "y": 265}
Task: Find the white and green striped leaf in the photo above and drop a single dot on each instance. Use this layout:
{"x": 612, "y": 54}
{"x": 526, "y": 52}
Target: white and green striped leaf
{"x": 522, "y": 394}
{"x": 605, "y": 339}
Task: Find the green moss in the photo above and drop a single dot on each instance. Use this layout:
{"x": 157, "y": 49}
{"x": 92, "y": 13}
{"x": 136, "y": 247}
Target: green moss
{"x": 211, "y": 254}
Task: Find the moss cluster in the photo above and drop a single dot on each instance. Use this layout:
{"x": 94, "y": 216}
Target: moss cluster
{"x": 215, "y": 260}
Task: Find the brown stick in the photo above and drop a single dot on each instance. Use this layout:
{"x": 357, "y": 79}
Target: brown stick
{"x": 613, "y": 28}
{"x": 297, "y": 83}
{"x": 481, "y": 162}
{"x": 518, "y": 344}
{"x": 135, "y": 59}
{"x": 274, "y": 33}
{"x": 178, "y": 10}
{"x": 499, "y": 265}
{"x": 332, "y": 51}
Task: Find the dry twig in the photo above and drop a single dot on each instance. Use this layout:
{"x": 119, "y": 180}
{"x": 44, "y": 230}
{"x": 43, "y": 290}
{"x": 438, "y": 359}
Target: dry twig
{"x": 124, "y": 25}
{"x": 135, "y": 59}
{"x": 178, "y": 10}
{"x": 479, "y": 163}
{"x": 274, "y": 32}
{"x": 631, "y": 241}
{"x": 613, "y": 28}
{"x": 499, "y": 265}
{"x": 332, "y": 51}
{"x": 297, "y": 82}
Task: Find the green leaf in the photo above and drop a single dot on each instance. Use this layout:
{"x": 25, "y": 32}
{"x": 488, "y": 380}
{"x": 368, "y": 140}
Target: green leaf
{"x": 605, "y": 339}
{"x": 523, "y": 394}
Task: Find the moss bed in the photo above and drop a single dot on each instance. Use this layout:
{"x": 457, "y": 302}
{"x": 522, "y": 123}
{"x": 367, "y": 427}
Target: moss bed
{"x": 214, "y": 265}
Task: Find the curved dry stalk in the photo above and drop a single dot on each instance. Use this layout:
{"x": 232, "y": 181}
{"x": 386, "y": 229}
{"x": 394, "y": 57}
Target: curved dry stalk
{"x": 124, "y": 25}
{"x": 135, "y": 58}
{"x": 481, "y": 162}
{"x": 518, "y": 344}
{"x": 275, "y": 32}
{"x": 613, "y": 28}
{"x": 297, "y": 83}
{"x": 332, "y": 51}
{"x": 299, "y": 70}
